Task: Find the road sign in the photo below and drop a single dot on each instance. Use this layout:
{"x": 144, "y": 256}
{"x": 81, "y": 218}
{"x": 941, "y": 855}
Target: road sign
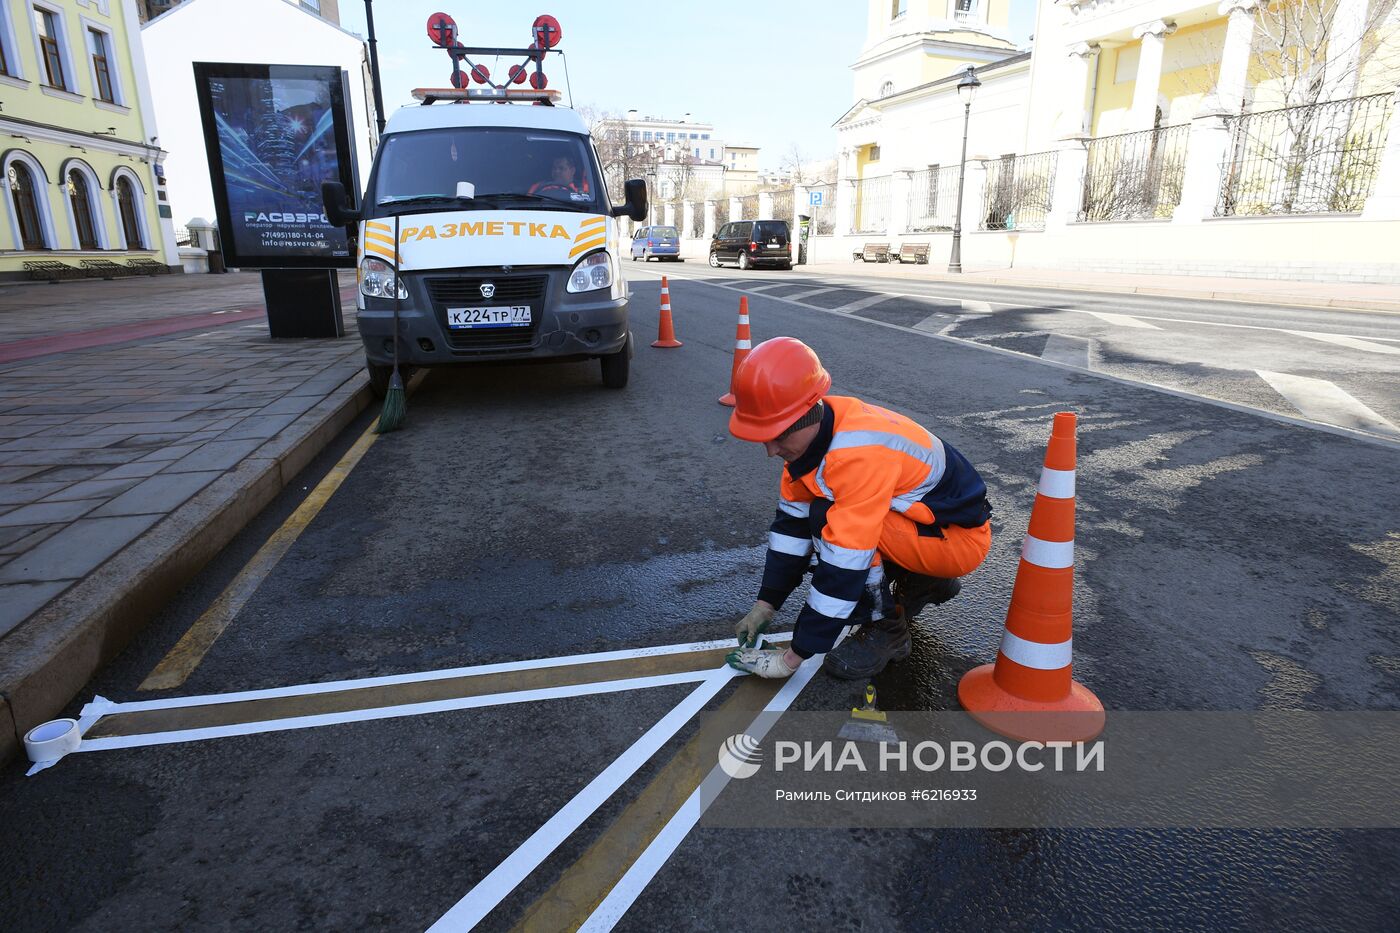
{"x": 815, "y": 198}
{"x": 442, "y": 29}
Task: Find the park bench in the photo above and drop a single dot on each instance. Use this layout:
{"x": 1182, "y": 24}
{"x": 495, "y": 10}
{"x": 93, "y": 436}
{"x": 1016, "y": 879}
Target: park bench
{"x": 106, "y": 269}
{"x": 872, "y": 252}
{"x": 147, "y": 266}
{"x": 916, "y": 253}
{"x": 51, "y": 270}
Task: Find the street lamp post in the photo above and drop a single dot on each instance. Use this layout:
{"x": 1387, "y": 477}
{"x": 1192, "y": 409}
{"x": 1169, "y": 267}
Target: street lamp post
{"x": 967, "y": 90}
{"x": 652, "y": 195}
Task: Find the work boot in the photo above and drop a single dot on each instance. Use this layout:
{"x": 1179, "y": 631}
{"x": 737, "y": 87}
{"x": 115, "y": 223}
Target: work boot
{"x": 869, "y": 649}
{"x": 914, "y": 591}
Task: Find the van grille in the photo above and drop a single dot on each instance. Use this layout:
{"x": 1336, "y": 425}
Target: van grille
{"x": 465, "y": 292}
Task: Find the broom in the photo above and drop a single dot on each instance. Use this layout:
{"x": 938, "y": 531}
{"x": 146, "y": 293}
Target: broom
{"x": 395, "y": 401}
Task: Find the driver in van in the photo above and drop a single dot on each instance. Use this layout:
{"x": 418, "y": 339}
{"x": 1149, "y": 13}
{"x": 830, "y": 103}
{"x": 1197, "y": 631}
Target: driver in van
{"x": 563, "y": 173}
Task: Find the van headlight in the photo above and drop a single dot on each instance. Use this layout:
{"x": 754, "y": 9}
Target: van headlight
{"x": 593, "y": 271}
{"x": 377, "y": 280}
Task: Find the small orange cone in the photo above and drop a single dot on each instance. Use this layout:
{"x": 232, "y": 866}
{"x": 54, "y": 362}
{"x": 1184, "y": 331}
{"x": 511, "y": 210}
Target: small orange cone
{"x": 1029, "y": 694}
{"x": 667, "y": 336}
{"x": 742, "y": 345}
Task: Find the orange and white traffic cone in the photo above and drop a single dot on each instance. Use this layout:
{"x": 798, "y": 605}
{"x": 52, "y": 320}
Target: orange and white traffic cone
{"x": 667, "y": 335}
{"x": 1029, "y": 693}
{"x": 743, "y": 343}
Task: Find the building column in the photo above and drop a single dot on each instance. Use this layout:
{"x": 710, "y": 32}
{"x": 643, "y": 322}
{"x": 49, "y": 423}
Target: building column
{"x": 1067, "y": 198}
{"x": 1149, "y": 73}
{"x": 736, "y": 210}
{"x": 687, "y": 219}
{"x": 799, "y": 204}
{"x": 765, "y": 205}
{"x": 669, "y": 213}
{"x": 709, "y": 219}
{"x": 901, "y": 181}
{"x": 845, "y": 207}
{"x": 1384, "y": 202}
{"x": 1234, "y": 57}
{"x": 1077, "y": 118}
{"x": 974, "y": 199}
{"x": 1344, "y": 40}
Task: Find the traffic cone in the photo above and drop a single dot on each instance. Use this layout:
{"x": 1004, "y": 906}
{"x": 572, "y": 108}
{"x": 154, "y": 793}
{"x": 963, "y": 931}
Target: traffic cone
{"x": 667, "y": 336}
{"x": 1029, "y": 694}
{"x": 742, "y": 345}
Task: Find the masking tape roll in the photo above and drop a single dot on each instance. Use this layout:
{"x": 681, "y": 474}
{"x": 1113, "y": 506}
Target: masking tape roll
{"x": 52, "y": 740}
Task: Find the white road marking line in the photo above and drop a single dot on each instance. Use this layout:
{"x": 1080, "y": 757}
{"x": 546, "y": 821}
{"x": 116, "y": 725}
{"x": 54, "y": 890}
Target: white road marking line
{"x": 1183, "y": 320}
{"x": 640, "y": 873}
{"x": 764, "y": 286}
{"x": 860, "y": 304}
{"x": 1122, "y": 320}
{"x": 1072, "y": 351}
{"x": 505, "y": 877}
{"x": 142, "y": 740}
{"x": 1341, "y": 340}
{"x": 935, "y": 323}
{"x": 1327, "y": 402}
{"x": 976, "y": 307}
{"x": 803, "y": 296}
{"x": 103, "y": 705}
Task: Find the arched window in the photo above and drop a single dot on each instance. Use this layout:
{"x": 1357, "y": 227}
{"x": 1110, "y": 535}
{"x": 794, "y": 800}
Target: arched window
{"x": 887, "y": 89}
{"x": 23, "y": 199}
{"x": 80, "y": 197}
{"x": 128, "y": 205}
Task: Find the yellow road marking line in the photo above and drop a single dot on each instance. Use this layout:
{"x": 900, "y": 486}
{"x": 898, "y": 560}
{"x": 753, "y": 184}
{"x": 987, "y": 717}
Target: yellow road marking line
{"x": 583, "y": 885}
{"x": 189, "y": 651}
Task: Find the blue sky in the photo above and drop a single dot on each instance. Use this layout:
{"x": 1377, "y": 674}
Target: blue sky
{"x": 665, "y": 59}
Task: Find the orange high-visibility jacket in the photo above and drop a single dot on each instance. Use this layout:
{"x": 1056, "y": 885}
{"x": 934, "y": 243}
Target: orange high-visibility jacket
{"x": 865, "y": 462}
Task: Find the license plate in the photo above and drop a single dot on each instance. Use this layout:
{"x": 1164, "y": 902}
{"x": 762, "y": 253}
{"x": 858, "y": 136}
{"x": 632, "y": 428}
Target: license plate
{"x": 512, "y": 316}
{"x": 775, "y": 245}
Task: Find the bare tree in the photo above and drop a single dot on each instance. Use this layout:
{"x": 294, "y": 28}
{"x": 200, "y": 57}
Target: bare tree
{"x": 792, "y": 164}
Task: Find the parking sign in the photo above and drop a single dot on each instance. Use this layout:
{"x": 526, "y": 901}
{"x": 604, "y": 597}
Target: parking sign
{"x": 815, "y": 198}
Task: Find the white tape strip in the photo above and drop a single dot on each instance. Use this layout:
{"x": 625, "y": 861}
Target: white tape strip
{"x": 1036, "y": 654}
{"x": 504, "y": 878}
{"x": 47, "y": 742}
{"x": 1052, "y": 555}
{"x": 417, "y": 677}
{"x": 389, "y": 712}
{"x": 1057, "y": 484}
{"x": 640, "y": 873}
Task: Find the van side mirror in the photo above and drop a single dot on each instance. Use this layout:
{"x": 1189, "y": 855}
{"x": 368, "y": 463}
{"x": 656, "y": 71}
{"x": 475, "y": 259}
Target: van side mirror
{"x": 635, "y": 200}
{"x": 337, "y": 204}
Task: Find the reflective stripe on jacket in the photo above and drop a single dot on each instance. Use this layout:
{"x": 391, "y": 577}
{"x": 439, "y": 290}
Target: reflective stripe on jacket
{"x": 865, "y": 462}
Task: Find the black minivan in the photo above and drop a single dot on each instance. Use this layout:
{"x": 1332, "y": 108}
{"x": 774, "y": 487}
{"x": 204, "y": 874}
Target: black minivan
{"x": 753, "y": 243}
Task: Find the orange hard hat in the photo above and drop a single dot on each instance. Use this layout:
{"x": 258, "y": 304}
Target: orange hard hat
{"x": 778, "y": 383}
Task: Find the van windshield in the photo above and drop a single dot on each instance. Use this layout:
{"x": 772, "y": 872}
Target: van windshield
{"x": 539, "y": 169}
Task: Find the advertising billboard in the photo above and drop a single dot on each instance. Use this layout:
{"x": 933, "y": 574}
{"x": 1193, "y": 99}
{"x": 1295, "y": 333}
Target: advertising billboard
{"x": 274, "y": 133}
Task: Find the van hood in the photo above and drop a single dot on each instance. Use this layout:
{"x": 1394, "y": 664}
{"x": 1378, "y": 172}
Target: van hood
{"x": 452, "y": 239}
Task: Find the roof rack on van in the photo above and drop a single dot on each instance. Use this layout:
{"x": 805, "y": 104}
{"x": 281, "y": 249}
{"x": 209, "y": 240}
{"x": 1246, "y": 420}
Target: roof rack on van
{"x": 546, "y": 32}
{"x": 431, "y": 95}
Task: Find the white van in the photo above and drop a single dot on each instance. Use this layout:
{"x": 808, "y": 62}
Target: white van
{"x": 492, "y": 206}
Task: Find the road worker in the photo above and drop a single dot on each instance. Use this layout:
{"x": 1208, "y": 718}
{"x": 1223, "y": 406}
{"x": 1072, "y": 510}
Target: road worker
{"x": 896, "y": 516}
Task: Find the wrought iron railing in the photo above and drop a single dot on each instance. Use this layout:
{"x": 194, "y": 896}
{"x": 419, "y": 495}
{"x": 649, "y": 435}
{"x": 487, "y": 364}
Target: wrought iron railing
{"x": 1017, "y": 191}
{"x": 721, "y": 212}
{"x": 933, "y": 198}
{"x": 823, "y": 216}
{"x": 1135, "y": 176}
{"x": 1319, "y": 158}
{"x": 782, "y": 205}
{"x": 872, "y": 207}
{"x": 697, "y": 221}
{"x": 748, "y": 207}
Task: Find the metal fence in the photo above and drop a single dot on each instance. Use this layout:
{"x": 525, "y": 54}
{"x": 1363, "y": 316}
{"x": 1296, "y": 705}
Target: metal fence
{"x": 748, "y": 207}
{"x": 823, "y": 217}
{"x": 721, "y": 212}
{"x": 933, "y": 199}
{"x": 697, "y": 221}
{"x": 782, "y": 205}
{"x": 1017, "y": 191}
{"x": 872, "y": 214}
{"x": 1319, "y": 158}
{"x": 1135, "y": 176}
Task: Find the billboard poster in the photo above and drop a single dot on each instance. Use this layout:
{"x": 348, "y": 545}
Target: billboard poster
{"x": 274, "y": 133}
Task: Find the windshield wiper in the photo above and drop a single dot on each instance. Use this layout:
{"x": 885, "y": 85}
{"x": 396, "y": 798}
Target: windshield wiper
{"x": 420, "y": 199}
{"x": 534, "y": 198}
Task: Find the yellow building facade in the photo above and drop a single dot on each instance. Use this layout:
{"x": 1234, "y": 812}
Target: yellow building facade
{"x": 81, "y": 154}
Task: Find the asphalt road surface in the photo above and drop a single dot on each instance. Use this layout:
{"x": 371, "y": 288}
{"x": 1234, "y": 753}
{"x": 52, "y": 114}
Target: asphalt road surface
{"x": 1226, "y": 560}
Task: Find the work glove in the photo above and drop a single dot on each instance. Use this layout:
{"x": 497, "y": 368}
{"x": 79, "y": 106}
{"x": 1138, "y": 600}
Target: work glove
{"x": 765, "y": 662}
{"x": 753, "y": 625}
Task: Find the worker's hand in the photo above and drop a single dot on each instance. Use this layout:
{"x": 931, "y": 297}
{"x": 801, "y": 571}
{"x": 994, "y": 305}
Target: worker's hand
{"x": 765, "y": 662}
{"x": 754, "y": 624}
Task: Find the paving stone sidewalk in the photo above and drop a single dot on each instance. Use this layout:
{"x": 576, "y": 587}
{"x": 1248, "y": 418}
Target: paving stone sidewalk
{"x": 98, "y": 446}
